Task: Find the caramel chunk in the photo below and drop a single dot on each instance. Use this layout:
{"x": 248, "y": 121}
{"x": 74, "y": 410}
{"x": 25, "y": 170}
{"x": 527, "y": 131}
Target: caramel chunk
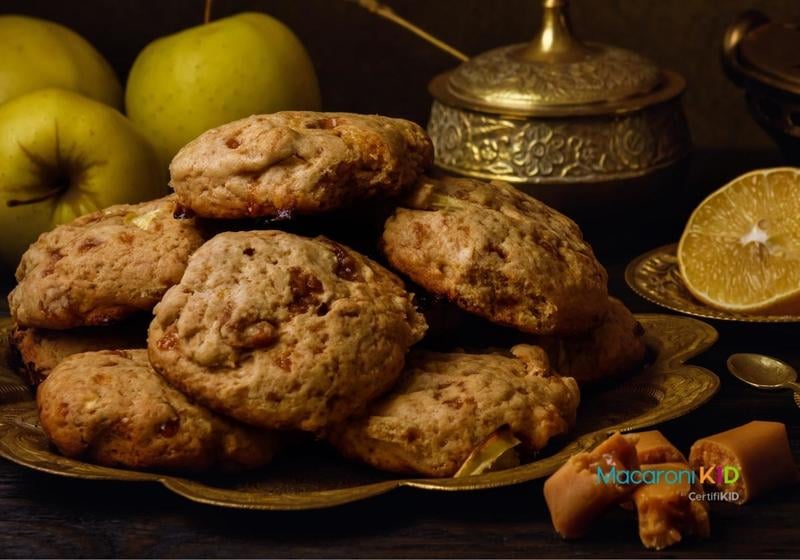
{"x": 667, "y": 512}
{"x": 575, "y": 493}
{"x": 750, "y": 460}
{"x": 652, "y": 448}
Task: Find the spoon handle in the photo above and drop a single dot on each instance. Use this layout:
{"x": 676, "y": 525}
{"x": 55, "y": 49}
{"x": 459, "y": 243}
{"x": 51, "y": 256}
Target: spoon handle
{"x": 793, "y": 385}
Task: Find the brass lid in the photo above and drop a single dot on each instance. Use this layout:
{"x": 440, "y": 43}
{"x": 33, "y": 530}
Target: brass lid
{"x": 556, "y": 74}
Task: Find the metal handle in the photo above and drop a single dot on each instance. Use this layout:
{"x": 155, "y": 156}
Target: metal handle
{"x": 793, "y": 385}
{"x": 387, "y": 13}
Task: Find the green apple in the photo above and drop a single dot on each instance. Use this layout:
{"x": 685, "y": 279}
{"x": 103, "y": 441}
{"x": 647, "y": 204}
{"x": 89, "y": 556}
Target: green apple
{"x": 36, "y": 54}
{"x": 63, "y": 155}
{"x": 183, "y": 84}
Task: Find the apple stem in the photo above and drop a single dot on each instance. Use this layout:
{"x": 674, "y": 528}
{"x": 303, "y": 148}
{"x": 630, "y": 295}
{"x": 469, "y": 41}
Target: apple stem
{"x": 41, "y": 198}
{"x": 207, "y": 11}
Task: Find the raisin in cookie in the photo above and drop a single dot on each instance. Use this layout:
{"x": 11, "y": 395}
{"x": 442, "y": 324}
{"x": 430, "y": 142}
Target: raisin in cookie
{"x": 447, "y": 404}
{"x": 112, "y": 408}
{"x": 282, "y": 331}
{"x": 35, "y": 352}
{"x": 297, "y": 162}
{"x": 103, "y": 266}
{"x": 498, "y": 253}
{"x": 613, "y": 348}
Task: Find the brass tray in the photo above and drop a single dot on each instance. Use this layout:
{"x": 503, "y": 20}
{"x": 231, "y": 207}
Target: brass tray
{"x": 655, "y": 276}
{"x": 314, "y": 477}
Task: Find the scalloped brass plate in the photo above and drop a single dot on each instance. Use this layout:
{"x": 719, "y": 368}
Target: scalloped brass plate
{"x": 312, "y": 476}
{"x": 655, "y": 276}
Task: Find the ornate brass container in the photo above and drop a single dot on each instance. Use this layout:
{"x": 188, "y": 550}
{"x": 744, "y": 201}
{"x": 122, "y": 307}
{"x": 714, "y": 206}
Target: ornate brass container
{"x": 764, "y": 58}
{"x": 558, "y": 114}
{"x": 575, "y": 123}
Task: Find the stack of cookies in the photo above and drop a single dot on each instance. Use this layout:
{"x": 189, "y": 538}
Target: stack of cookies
{"x": 252, "y": 334}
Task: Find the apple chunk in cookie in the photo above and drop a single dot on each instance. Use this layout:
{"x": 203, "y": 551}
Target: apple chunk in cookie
{"x": 64, "y": 155}
{"x": 104, "y": 266}
{"x": 448, "y": 404}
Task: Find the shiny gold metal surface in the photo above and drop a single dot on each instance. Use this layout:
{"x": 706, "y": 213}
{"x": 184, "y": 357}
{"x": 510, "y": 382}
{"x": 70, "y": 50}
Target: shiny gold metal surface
{"x": 656, "y": 277}
{"x": 312, "y": 476}
{"x": 557, "y": 111}
{"x": 763, "y": 57}
{"x": 558, "y": 151}
{"x": 555, "y": 74}
{"x": 763, "y": 372}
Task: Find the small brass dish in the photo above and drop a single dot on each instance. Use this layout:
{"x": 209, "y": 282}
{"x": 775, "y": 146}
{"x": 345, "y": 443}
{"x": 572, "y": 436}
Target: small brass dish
{"x": 655, "y": 276}
{"x": 314, "y": 477}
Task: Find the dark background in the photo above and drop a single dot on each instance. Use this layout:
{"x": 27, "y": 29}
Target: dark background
{"x": 366, "y": 64}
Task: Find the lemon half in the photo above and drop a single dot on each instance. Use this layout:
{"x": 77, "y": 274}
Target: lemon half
{"x": 740, "y": 250}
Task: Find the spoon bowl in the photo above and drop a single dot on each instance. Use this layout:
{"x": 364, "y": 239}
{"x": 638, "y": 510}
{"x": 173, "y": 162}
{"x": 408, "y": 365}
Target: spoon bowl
{"x": 762, "y": 371}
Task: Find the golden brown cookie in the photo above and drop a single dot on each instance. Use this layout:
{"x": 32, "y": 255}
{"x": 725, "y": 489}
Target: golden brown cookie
{"x": 298, "y": 161}
{"x": 103, "y": 266}
{"x": 611, "y": 349}
{"x": 38, "y": 351}
{"x": 283, "y": 331}
{"x": 498, "y": 253}
{"x": 447, "y": 404}
{"x": 111, "y": 408}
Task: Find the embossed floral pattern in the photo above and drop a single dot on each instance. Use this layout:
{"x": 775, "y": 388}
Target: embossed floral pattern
{"x": 564, "y": 150}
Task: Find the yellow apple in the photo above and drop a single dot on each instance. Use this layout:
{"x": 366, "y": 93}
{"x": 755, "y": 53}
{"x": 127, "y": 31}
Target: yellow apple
{"x": 63, "y": 155}
{"x": 36, "y": 54}
{"x": 202, "y": 77}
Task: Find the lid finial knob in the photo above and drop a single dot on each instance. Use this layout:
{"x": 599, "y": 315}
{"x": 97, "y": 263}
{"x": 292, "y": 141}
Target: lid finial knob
{"x": 555, "y": 42}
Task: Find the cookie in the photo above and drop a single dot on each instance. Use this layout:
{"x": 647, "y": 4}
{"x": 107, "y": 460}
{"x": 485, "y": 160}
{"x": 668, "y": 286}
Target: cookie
{"x": 613, "y": 348}
{"x": 447, "y": 404}
{"x": 112, "y": 408}
{"x": 298, "y": 162}
{"x": 498, "y": 253}
{"x": 37, "y": 351}
{"x": 103, "y": 266}
{"x": 283, "y": 331}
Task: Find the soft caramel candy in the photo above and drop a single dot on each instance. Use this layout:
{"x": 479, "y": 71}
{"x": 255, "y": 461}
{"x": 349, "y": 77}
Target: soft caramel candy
{"x": 750, "y": 460}
{"x": 576, "y": 496}
{"x": 665, "y": 508}
{"x": 652, "y": 447}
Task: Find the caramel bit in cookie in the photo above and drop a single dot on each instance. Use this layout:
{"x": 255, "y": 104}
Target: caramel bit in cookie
{"x": 412, "y": 435}
{"x": 284, "y": 361}
{"x": 232, "y": 143}
{"x": 88, "y": 245}
{"x": 346, "y": 266}
{"x": 168, "y": 341}
{"x": 303, "y": 287}
{"x": 169, "y": 428}
{"x": 323, "y": 124}
{"x": 182, "y": 212}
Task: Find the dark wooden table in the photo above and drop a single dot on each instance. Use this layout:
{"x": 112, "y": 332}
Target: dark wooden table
{"x": 47, "y": 516}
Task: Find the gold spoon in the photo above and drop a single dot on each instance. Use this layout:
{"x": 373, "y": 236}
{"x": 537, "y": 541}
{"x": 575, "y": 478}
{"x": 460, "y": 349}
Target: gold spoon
{"x": 764, "y": 372}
